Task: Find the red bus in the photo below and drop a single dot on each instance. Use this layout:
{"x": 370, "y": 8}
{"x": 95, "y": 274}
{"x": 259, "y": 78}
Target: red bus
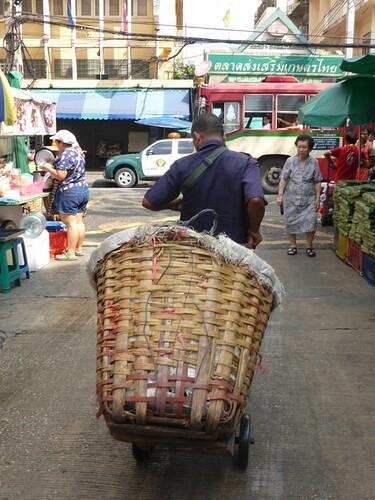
{"x": 247, "y": 107}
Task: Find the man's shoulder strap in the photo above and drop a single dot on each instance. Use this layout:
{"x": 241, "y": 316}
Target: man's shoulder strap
{"x": 191, "y": 179}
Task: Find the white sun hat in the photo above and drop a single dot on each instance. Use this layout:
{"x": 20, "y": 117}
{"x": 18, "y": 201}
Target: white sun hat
{"x": 66, "y": 137}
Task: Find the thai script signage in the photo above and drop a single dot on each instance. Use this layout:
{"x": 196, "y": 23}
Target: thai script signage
{"x": 326, "y": 142}
{"x": 275, "y": 65}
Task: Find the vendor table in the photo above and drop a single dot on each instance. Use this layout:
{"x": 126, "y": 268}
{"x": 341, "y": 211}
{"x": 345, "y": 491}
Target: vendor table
{"x": 14, "y": 210}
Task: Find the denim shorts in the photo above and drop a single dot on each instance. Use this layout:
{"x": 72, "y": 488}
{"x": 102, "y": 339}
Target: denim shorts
{"x": 73, "y": 201}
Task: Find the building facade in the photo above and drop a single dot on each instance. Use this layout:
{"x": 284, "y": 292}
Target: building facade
{"x": 106, "y": 63}
{"x": 90, "y": 39}
{"x": 337, "y": 22}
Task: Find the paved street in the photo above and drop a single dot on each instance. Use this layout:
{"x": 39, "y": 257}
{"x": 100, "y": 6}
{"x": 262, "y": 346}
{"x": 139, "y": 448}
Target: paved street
{"x": 312, "y": 409}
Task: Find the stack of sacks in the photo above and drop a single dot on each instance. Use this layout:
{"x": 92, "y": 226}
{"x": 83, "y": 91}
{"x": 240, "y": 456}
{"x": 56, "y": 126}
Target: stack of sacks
{"x": 363, "y": 223}
{"x": 344, "y": 198}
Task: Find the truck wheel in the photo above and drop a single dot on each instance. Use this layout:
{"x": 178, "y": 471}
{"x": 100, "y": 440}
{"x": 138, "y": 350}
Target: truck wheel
{"x": 270, "y": 170}
{"x": 125, "y": 178}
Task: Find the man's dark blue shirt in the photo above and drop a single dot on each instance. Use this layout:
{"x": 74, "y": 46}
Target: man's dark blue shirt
{"x": 225, "y": 187}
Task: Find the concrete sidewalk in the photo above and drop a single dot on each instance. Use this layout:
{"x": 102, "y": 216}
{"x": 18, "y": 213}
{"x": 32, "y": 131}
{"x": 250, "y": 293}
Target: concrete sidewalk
{"x": 312, "y": 410}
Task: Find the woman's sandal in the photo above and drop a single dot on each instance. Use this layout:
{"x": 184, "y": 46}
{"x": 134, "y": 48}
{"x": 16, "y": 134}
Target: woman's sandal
{"x": 310, "y": 252}
{"x": 65, "y": 256}
{"x": 292, "y": 251}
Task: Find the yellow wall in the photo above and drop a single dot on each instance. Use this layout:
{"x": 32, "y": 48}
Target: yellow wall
{"x": 336, "y": 28}
{"x": 115, "y": 45}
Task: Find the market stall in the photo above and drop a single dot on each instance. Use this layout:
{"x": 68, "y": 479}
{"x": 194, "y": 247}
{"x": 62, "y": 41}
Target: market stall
{"x": 33, "y": 117}
{"x": 23, "y": 116}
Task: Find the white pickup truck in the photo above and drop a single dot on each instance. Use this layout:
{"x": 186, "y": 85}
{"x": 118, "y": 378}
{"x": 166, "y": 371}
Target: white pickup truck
{"x": 127, "y": 170}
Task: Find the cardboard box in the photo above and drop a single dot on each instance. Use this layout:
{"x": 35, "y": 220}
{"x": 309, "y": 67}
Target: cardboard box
{"x": 37, "y": 251}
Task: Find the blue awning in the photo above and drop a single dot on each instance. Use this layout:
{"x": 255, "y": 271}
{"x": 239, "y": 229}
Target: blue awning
{"x": 165, "y": 122}
{"x": 112, "y": 104}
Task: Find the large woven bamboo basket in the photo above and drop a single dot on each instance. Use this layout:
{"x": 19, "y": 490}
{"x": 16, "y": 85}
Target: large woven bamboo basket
{"x": 179, "y": 332}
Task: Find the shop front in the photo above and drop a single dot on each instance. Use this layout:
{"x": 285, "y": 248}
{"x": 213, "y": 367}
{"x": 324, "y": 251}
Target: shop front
{"x": 34, "y": 118}
{"x": 27, "y": 118}
{"x": 109, "y": 122}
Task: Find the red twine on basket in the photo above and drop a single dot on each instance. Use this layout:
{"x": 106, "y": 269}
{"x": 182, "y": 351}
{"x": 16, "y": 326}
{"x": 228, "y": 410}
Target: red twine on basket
{"x": 204, "y": 283}
{"x": 168, "y": 310}
{"x": 181, "y": 339}
{"x": 259, "y": 361}
{"x": 100, "y": 322}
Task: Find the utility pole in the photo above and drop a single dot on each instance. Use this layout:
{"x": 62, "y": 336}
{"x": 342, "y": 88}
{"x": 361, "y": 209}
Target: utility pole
{"x": 46, "y": 37}
{"x": 350, "y": 20}
{"x": 13, "y": 36}
{"x": 129, "y": 50}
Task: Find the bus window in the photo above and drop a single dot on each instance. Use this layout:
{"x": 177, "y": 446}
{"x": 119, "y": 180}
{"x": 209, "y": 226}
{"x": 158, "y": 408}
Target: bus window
{"x": 229, "y": 112}
{"x": 256, "y": 107}
{"x": 231, "y": 116}
{"x": 287, "y": 109}
{"x": 218, "y": 109}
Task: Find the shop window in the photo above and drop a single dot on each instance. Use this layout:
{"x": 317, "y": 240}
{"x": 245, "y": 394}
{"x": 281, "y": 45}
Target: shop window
{"x": 26, "y": 6}
{"x": 140, "y": 69}
{"x": 87, "y": 68}
{"x": 116, "y": 68}
{"x": 257, "y": 107}
{"x": 111, "y": 7}
{"x": 34, "y": 6}
{"x": 37, "y": 68}
{"x": 114, "y": 8}
{"x": 58, "y": 8}
{"x": 86, "y": 8}
{"x": 63, "y": 68}
{"x": 139, "y": 7}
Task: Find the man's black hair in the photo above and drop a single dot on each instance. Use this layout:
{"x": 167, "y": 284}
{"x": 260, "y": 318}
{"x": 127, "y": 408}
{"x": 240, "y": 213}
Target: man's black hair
{"x": 208, "y": 124}
{"x": 368, "y": 129}
{"x": 350, "y": 138}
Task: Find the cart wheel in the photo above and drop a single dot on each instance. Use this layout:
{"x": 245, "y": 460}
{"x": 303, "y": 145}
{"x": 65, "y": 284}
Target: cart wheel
{"x": 244, "y": 442}
{"x": 140, "y": 454}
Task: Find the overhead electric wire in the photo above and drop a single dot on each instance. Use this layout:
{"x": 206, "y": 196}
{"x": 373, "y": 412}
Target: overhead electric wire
{"x": 327, "y": 18}
{"x": 148, "y": 37}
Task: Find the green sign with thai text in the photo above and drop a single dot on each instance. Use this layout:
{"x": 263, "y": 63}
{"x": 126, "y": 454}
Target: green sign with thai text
{"x": 275, "y": 65}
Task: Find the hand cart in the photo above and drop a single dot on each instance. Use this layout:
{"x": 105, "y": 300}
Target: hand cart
{"x": 180, "y": 325}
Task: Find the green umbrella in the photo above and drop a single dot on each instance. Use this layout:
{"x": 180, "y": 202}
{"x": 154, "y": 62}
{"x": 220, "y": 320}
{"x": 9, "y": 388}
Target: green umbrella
{"x": 363, "y": 65}
{"x": 20, "y": 150}
{"x": 352, "y": 97}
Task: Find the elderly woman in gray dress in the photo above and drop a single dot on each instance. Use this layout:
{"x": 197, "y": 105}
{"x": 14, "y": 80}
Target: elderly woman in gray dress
{"x": 299, "y": 193}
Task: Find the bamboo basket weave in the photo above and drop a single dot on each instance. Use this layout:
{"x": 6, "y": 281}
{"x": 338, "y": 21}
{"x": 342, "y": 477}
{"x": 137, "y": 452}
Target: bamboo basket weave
{"x": 33, "y": 206}
{"x": 178, "y": 336}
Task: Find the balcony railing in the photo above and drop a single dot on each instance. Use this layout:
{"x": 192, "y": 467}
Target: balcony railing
{"x": 334, "y": 16}
{"x": 298, "y": 3}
